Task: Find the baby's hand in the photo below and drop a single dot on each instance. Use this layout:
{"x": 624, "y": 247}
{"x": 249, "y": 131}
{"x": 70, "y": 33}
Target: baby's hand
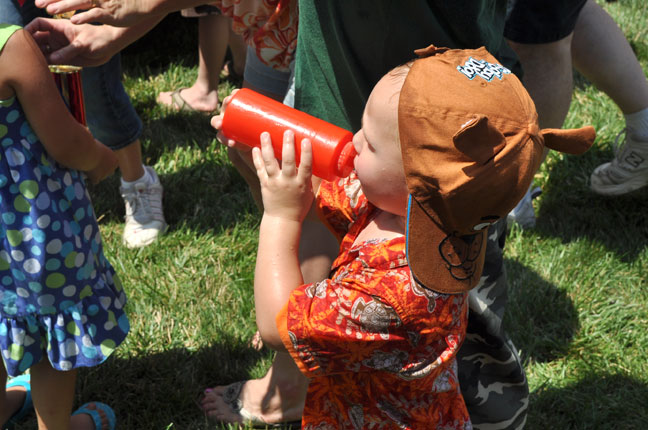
{"x": 287, "y": 191}
{"x": 107, "y": 165}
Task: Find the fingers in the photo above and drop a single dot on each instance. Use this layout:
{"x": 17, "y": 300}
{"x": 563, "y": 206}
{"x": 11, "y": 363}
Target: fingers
{"x": 41, "y": 24}
{"x": 288, "y": 154}
{"x": 95, "y": 14}
{"x": 306, "y": 161}
{"x": 268, "y": 155}
{"x": 57, "y": 7}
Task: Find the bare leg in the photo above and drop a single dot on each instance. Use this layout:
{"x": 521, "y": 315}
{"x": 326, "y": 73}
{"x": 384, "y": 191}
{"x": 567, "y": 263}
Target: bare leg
{"x": 11, "y": 400}
{"x": 238, "y": 48}
{"x": 213, "y": 36}
{"x": 548, "y": 78}
{"x": 130, "y": 161}
{"x": 53, "y": 395}
{"x": 601, "y": 52}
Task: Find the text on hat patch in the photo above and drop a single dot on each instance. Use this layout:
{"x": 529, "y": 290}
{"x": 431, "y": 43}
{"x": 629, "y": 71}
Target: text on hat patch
{"x": 482, "y": 68}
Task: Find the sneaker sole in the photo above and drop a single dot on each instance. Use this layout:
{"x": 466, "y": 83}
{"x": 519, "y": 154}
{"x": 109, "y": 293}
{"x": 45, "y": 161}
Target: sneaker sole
{"x": 629, "y": 186}
{"x": 145, "y": 242}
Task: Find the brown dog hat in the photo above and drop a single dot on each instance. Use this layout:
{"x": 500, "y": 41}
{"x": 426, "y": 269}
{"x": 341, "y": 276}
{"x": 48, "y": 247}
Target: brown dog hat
{"x": 471, "y": 145}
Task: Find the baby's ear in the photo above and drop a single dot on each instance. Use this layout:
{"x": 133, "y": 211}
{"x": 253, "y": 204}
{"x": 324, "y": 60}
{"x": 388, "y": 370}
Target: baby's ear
{"x": 479, "y": 140}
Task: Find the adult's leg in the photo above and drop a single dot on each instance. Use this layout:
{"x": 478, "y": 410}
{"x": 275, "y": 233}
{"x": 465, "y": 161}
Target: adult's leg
{"x": 601, "y": 52}
{"x": 114, "y": 122}
{"x": 619, "y": 75}
{"x": 491, "y": 375}
{"x": 548, "y": 78}
{"x": 213, "y": 36}
{"x": 238, "y": 49}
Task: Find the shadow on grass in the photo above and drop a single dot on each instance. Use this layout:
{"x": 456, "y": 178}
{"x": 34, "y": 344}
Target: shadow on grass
{"x": 603, "y": 401}
{"x": 570, "y": 210}
{"x": 155, "y": 390}
{"x": 540, "y": 319}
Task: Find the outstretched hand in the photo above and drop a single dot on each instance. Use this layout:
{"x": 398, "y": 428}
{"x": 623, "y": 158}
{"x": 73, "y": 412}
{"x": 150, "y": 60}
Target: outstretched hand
{"x": 120, "y": 13}
{"x": 65, "y": 43}
{"x": 287, "y": 189}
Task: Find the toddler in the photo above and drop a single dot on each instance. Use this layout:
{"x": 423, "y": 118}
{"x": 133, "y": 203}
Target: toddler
{"x": 448, "y": 146}
{"x": 61, "y": 304}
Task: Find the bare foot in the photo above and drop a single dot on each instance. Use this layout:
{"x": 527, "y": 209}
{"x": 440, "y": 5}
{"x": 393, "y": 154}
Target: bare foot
{"x": 190, "y": 99}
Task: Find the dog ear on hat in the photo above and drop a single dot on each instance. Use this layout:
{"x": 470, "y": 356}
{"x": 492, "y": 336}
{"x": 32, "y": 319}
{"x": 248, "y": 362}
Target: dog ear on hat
{"x": 430, "y": 51}
{"x": 479, "y": 139}
{"x": 571, "y": 141}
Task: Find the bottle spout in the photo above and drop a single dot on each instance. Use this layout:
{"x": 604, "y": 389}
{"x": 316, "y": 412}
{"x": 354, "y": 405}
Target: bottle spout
{"x": 345, "y": 161}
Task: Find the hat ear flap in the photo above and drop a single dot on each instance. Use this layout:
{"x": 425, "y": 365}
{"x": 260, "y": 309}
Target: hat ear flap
{"x": 572, "y": 141}
{"x": 479, "y": 140}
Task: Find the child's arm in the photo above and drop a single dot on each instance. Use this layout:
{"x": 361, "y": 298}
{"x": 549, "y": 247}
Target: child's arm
{"x": 24, "y": 69}
{"x": 287, "y": 197}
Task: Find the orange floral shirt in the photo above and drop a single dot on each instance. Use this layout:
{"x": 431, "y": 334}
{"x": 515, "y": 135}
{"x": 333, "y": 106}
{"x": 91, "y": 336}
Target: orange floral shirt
{"x": 269, "y": 26}
{"x": 379, "y": 349}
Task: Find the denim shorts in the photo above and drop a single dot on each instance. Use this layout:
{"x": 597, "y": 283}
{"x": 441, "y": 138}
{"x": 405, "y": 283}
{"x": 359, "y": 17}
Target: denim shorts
{"x": 262, "y": 76}
{"x": 109, "y": 112}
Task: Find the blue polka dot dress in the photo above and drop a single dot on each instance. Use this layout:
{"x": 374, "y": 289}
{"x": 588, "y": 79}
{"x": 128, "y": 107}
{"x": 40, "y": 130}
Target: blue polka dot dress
{"x": 59, "y": 296}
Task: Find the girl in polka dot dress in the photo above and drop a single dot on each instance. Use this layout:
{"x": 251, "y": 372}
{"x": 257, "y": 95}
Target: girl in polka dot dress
{"x": 61, "y": 304}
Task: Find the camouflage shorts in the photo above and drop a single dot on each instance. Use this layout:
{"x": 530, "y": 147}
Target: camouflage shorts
{"x": 491, "y": 375}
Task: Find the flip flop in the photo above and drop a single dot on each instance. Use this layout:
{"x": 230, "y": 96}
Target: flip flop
{"x": 232, "y": 398}
{"x": 94, "y": 414}
{"x": 20, "y": 381}
{"x": 179, "y": 104}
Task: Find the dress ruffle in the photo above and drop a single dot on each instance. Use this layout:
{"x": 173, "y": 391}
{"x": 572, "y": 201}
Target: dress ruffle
{"x": 82, "y": 335}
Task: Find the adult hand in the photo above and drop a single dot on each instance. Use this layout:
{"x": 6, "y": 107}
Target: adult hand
{"x": 120, "y": 13}
{"x": 65, "y": 43}
{"x": 244, "y": 151}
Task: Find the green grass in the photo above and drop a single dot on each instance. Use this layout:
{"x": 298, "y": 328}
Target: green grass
{"x": 578, "y": 292}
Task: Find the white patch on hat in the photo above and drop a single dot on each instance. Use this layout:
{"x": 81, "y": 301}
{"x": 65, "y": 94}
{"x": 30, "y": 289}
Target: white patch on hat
{"x": 483, "y": 69}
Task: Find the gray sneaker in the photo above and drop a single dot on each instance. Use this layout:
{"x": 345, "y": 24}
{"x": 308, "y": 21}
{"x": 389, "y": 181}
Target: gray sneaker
{"x": 627, "y": 172}
{"x": 523, "y": 214}
{"x": 144, "y": 216}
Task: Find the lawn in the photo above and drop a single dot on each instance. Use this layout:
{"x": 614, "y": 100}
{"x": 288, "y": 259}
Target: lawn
{"x": 578, "y": 292}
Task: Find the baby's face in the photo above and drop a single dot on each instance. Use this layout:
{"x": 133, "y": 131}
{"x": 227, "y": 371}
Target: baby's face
{"x": 379, "y": 163}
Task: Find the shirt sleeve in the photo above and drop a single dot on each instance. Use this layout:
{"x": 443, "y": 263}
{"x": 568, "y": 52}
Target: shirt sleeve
{"x": 339, "y": 203}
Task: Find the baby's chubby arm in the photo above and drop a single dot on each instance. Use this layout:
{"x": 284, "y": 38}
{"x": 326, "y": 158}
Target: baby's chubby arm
{"x": 287, "y": 198}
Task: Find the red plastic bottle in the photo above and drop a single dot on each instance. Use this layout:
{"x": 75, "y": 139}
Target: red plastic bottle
{"x": 249, "y": 114}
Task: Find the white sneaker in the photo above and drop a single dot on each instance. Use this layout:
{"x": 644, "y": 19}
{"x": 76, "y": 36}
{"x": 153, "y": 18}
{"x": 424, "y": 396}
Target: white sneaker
{"x": 144, "y": 216}
{"x": 523, "y": 214}
{"x": 627, "y": 172}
